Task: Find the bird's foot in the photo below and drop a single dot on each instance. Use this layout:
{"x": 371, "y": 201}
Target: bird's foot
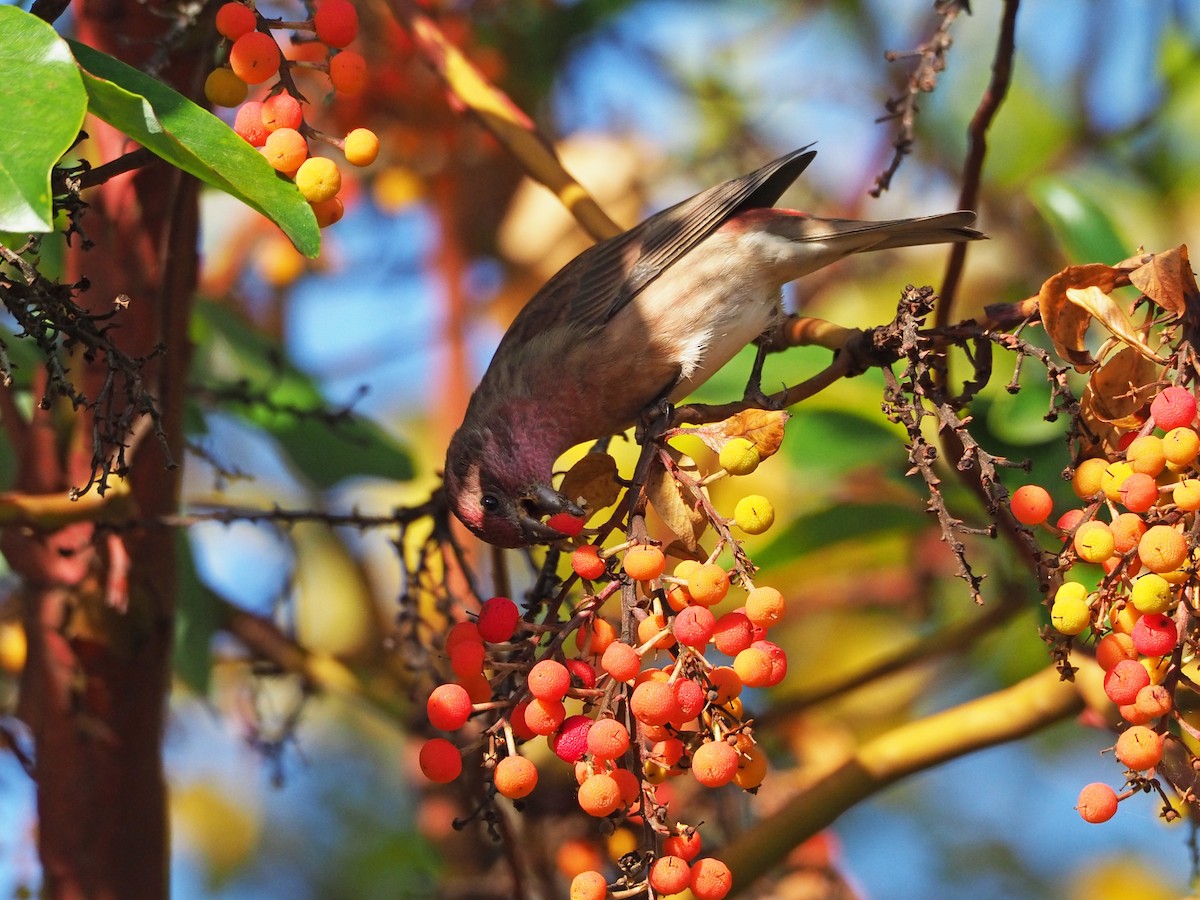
{"x": 654, "y": 420}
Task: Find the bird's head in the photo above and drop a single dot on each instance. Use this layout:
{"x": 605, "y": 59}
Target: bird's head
{"x": 500, "y": 494}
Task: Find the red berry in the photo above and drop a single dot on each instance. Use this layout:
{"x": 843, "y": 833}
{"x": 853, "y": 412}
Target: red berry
{"x": 570, "y": 742}
{"x": 1174, "y": 407}
{"x": 440, "y": 761}
{"x": 733, "y": 633}
{"x": 566, "y": 523}
{"x": 582, "y": 673}
{"x": 249, "y": 125}
{"x": 282, "y": 111}
{"x": 348, "y": 73}
{"x": 498, "y": 619}
{"x": 1124, "y": 680}
{"x": 336, "y": 22}
{"x": 1154, "y": 634}
{"x": 254, "y": 57}
{"x": 693, "y": 626}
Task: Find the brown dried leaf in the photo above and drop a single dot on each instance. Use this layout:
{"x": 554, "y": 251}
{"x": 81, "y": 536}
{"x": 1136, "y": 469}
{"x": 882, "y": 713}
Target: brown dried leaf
{"x": 1105, "y": 310}
{"x": 1167, "y": 279}
{"x": 593, "y": 482}
{"x": 1117, "y": 396}
{"x": 677, "y": 504}
{"x": 764, "y": 427}
{"x": 1067, "y": 323}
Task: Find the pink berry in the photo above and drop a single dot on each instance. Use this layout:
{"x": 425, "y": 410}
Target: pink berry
{"x": 1174, "y": 407}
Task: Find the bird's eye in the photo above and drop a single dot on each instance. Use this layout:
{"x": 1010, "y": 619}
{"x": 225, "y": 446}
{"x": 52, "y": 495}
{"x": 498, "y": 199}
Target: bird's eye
{"x": 489, "y": 502}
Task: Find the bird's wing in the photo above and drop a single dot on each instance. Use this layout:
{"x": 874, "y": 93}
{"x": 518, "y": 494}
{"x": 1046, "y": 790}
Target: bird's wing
{"x": 603, "y": 279}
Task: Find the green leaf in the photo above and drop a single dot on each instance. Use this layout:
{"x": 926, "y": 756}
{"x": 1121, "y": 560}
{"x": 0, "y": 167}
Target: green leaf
{"x": 192, "y": 138}
{"x": 195, "y": 622}
{"x": 42, "y": 106}
{"x": 230, "y": 352}
{"x": 843, "y": 522}
{"x": 1084, "y": 229}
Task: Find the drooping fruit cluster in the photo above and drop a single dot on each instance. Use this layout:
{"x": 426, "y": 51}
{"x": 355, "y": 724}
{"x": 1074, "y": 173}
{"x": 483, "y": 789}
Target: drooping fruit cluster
{"x": 1139, "y": 525}
{"x": 275, "y": 122}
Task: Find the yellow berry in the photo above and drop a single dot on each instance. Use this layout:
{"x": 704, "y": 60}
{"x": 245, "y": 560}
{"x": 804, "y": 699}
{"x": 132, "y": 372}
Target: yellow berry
{"x": 318, "y": 178}
{"x": 223, "y": 88}
{"x": 739, "y": 456}
{"x": 361, "y": 147}
{"x": 1180, "y": 446}
{"x": 13, "y": 647}
{"x": 1113, "y": 477}
{"x": 1151, "y": 593}
{"x": 1070, "y": 614}
{"x": 1094, "y": 541}
{"x": 1187, "y": 494}
{"x": 754, "y": 514}
{"x": 1086, "y": 480}
{"x": 1145, "y": 454}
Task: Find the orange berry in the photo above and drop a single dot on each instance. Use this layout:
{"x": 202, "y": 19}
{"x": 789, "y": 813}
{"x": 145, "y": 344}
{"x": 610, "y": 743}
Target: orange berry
{"x": 653, "y": 702}
{"x": 1112, "y": 648}
{"x": 670, "y": 875}
{"x": 549, "y": 680}
{"x": 1139, "y": 748}
{"x": 478, "y": 688}
{"x": 652, "y": 625}
{"x": 608, "y": 739}
{"x": 281, "y": 111}
{"x": 588, "y": 886}
{"x": 1154, "y": 700}
{"x": 1097, "y": 803}
{"x": 440, "y": 761}
{"x": 286, "y": 150}
{"x": 600, "y": 795}
{"x": 777, "y": 657}
{"x": 1138, "y": 492}
{"x": 1031, "y": 504}
{"x": 361, "y": 147}
{"x": 254, "y": 57}
{"x": 1086, "y": 480}
{"x": 235, "y": 19}
{"x": 1145, "y": 454}
{"x": 586, "y": 562}
{"x": 223, "y": 88}
{"x": 621, "y": 661}
{"x": 448, "y": 707}
{"x": 1162, "y": 549}
{"x": 515, "y": 777}
{"x": 708, "y": 584}
{"x": 577, "y": 855}
{"x": 727, "y": 682}
{"x": 328, "y": 212}
{"x": 644, "y": 562}
{"x": 630, "y": 787}
{"x": 711, "y": 879}
{"x": 348, "y": 73}
{"x": 1122, "y": 620}
{"x": 752, "y": 765}
{"x": 596, "y": 637}
{"x": 714, "y": 763}
{"x": 765, "y": 606}
{"x": 544, "y": 716}
{"x": 685, "y": 846}
{"x": 1127, "y": 529}
{"x": 336, "y": 22}
{"x": 318, "y": 179}
{"x": 753, "y": 667}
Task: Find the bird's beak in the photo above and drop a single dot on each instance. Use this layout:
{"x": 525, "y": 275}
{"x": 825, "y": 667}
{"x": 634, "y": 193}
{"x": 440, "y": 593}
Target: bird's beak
{"x": 538, "y": 501}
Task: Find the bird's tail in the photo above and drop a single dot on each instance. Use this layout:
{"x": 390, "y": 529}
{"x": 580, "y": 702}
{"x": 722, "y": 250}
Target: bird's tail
{"x": 947, "y": 228}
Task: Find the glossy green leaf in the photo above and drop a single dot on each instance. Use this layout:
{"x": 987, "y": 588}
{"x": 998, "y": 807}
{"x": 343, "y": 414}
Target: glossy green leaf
{"x": 287, "y": 404}
{"x": 42, "y": 104}
{"x": 192, "y": 138}
{"x": 1078, "y": 222}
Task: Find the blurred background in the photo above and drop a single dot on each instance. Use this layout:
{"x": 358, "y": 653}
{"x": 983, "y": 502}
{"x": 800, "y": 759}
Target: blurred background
{"x": 276, "y": 793}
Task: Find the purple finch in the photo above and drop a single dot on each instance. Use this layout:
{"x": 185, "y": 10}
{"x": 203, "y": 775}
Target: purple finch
{"x": 638, "y": 319}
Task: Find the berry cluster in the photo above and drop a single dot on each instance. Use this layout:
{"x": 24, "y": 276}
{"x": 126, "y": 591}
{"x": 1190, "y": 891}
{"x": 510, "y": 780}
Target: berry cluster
{"x": 625, "y": 721}
{"x": 1139, "y": 525}
{"x": 275, "y": 123}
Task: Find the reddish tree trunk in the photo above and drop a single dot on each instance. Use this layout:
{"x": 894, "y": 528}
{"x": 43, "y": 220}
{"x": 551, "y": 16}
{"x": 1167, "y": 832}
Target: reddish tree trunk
{"x": 100, "y": 606}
